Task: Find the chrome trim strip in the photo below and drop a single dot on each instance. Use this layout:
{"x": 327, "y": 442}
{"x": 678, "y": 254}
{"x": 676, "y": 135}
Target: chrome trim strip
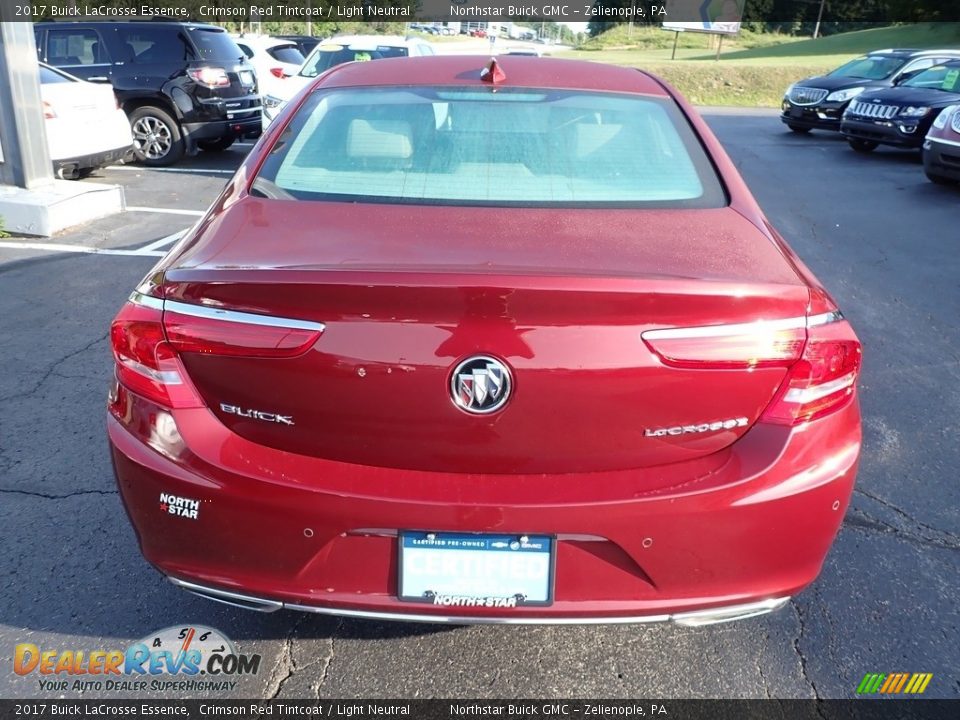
{"x": 954, "y": 143}
{"x": 743, "y": 328}
{"x": 713, "y": 616}
{"x": 724, "y": 330}
{"x": 691, "y": 618}
{"x": 212, "y": 313}
{"x": 824, "y": 318}
{"x": 146, "y": 300}
{"x": 204, "y": 311}
{"x": 228, "y": 598}
{"x": 468, "y": 620}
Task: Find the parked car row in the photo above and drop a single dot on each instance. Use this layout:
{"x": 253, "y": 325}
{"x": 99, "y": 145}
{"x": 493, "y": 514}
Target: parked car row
{"x": 182, "y": 86}
{"x": 336, "y": 51}
{"x": 898, "y": 97}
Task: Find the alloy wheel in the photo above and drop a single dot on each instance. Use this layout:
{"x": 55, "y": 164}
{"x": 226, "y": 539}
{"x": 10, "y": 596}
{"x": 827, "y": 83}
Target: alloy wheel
{"x": 152, "y": 137}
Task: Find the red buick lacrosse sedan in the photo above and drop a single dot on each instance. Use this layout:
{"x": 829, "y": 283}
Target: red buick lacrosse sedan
{"x": 474, "y": 343}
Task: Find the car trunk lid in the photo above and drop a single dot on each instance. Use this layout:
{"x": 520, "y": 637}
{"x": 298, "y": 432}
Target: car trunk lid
{"x": 561, "y": 298}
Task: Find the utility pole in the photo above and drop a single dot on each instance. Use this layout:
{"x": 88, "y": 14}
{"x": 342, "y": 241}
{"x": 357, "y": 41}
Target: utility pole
{"x": 32, "y": 202}
{"x": 23, "y": 138}
{"x": 816, "y": 28}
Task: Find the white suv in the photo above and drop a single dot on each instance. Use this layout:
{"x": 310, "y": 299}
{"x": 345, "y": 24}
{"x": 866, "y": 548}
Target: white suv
{"x": 336, "y": 51}
{"x": 273, "y": 59}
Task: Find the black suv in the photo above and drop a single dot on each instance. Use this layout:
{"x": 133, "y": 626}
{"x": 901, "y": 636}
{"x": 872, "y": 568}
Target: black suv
{"x": 818, "y": 103}
{"x": 901, "y": 116}
{"x": 183, "y": 86}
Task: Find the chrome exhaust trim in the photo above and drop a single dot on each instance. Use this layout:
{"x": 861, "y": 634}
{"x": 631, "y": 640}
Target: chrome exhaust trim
{"x": 245, "y": 602}
{"x": 694, "y": 618}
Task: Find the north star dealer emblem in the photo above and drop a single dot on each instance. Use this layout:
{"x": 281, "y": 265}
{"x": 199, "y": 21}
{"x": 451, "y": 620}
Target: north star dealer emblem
{"x": 181, "y": 506}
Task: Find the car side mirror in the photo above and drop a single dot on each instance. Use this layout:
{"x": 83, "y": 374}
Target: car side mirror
{"x": 903, "y": 78}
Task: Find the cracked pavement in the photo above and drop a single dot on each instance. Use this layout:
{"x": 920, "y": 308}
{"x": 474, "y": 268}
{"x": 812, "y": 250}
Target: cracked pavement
{"x": 875, "y": 232}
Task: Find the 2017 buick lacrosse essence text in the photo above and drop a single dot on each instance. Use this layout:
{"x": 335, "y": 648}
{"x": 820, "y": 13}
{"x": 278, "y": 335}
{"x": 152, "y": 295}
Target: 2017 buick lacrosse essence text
{"x": 476, "y": 342}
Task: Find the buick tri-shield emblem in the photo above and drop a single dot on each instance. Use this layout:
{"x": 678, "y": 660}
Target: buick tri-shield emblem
{"x": 480, "y": 385}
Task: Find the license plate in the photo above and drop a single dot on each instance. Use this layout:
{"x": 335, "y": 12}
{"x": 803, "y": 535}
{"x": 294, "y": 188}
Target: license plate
{"x": 246, "y": 77}
{"x": 466, "y": 570}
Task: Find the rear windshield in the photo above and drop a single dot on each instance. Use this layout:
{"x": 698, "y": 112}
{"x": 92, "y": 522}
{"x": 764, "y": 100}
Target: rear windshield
{"x": 870, "y": 67}
{"x": 393, "y": 51}
{"x": 286, "y": 54}
{"x": 215, "y": 46}
{"x": 146, "y": 43}
{"x": 512, "y": 147}
{"x": 327, "y": 56}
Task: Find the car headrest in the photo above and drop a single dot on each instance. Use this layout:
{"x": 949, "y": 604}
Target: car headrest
{"x": 379, "y": 140}
{"x": 589, "y": 138}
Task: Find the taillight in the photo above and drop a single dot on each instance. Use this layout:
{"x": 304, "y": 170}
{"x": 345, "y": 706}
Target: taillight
{"x": 48, "y": 112}
{"x": 822, "y": 353}
{"x": 212, "y": 331}
{"x": 146, "y": 364}
{"x": 746, "y": 345}
{"x": 211, "y": 77}
{"x": 277, "y": 72}
{"x": 823, "y": 380}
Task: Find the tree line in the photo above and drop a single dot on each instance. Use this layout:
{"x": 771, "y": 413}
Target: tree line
{"x": 798, "y": 17}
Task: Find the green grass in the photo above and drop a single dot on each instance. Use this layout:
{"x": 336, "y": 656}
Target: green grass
{"x": 754, "y": 69}
{"x": 920, "y": 35}
{"x": 623, "y": 37}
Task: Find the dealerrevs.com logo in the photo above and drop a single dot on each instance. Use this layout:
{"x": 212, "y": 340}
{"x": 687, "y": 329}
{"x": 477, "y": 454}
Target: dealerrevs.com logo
{"x": 179, "y": 658}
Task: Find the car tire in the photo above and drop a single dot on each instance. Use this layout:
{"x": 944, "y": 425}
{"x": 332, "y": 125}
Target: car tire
{"x": 157, "y": 140}
{"x": 797, "y": 129}
{"x": 939, "y": 179}
{"x": 218, "y": 145}
{"x": 863, "y": 146}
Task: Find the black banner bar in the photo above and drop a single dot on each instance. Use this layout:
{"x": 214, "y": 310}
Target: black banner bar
{"x": 858, "y": 709}
{"x": 623, "y": 11}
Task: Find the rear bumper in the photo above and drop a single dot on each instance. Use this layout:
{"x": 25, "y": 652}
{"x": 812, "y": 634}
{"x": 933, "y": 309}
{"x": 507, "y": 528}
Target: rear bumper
{"x": 214, "y": 130}
{"x": 692, "y": 618}
{"x": 280, "y": 530}
{"x": 942, "y": 158}
{"x": 885, "y": 132}
{"x": 93, "y": 160}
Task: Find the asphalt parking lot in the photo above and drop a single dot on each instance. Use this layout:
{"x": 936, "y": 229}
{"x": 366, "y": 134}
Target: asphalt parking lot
{"x": 882, "y": 238}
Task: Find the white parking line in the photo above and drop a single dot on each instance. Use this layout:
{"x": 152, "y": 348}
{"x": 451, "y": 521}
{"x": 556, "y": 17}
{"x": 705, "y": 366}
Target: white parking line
{"x": 168, "y": 240}
{"x": 169, "y": 211}
{"x": 171, "y": 170}
{"x": 59, "y": 247}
